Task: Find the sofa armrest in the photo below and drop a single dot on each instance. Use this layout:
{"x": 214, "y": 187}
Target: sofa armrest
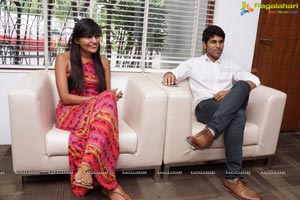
{"x": 144, "y": 110}
{"x": 179, "y": 123}
{"x": 178, "y": 120}
{"x": 31, "y": 107}
{"x": 265, "y": 109}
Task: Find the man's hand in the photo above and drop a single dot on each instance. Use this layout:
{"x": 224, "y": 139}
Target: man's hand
{"x": 251, "y": 84}
{"x": 169, "y": 79}
{"x": 219, "y": 96}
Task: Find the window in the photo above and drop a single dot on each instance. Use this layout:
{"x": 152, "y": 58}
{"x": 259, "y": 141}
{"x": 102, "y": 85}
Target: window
{"x": 137, "y": 34}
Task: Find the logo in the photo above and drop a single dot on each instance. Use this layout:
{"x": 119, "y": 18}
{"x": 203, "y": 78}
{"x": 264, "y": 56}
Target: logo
{"x": 271, "y": 8}
{"x": 246, "y": 8}
{"x": 277, "y": 6}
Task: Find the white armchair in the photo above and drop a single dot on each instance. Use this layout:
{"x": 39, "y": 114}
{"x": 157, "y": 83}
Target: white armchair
{"x": 40, "y": 148}
{"x": 264, "y": 116}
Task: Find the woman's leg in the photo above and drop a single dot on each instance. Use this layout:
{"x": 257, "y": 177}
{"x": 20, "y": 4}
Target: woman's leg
{"x": 102, "y": 146}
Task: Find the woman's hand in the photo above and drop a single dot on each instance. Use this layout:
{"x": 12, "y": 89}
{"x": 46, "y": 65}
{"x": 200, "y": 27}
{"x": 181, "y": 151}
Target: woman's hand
{"x": 118, "y": 94}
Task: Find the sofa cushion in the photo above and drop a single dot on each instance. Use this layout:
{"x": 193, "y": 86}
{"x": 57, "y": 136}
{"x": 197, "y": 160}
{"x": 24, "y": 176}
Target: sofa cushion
{"x": 57, "y": 140}
{"x": 251, "y": 132}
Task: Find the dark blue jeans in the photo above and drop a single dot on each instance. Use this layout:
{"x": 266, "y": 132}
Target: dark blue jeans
{"x": 228, "y": 116}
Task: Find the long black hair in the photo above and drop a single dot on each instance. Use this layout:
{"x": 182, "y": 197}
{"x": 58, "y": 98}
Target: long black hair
{"x": 83, "y": 27}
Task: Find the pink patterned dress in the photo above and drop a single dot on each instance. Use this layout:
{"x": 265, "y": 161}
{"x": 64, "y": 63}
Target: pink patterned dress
{"x": 94, "y": 132}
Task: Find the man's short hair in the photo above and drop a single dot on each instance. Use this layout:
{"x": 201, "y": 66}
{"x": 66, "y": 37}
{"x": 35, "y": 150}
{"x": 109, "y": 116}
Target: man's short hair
{"x": 212, "y": 31}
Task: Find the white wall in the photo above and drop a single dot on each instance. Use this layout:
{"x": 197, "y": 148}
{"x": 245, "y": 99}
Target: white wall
{"x": 240, "y": 31}
{"x": 239, "y": 45}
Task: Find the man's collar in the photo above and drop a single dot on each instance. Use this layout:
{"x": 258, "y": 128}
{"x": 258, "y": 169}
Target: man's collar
{"x": 216, "y": 62}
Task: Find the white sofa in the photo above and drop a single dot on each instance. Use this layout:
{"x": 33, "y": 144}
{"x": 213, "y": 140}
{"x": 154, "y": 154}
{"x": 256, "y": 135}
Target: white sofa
{"x": 40, "y": 148}
{"x": 264, "y": 116}
{"x": 154, "y": 121}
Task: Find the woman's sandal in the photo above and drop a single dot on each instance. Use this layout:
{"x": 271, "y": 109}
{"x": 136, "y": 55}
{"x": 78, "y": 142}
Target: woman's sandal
{"x": 83, "y": 170}
{"x": 107, "y": 193}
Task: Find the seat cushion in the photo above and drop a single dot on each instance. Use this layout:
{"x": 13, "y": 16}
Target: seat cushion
{"x": 57, "y": 140}
{"x": 251, "y": 134}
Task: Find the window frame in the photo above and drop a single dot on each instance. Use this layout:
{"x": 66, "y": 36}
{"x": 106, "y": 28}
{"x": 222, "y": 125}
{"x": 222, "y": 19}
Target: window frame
{"x": 47, "y": 64}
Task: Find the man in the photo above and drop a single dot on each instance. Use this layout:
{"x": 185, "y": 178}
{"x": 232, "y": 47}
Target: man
{"x": 221, "y": 90}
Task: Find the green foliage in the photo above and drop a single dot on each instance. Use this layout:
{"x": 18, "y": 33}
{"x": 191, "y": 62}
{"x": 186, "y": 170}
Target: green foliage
{"x": 121, "y": 20}
{"x": 62, "y": 9}
{"x": 156, "y": 27}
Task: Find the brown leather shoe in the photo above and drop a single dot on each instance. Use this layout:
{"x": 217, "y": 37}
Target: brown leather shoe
{"x": 201, "y": 140}
{"x": 237, "y": 188}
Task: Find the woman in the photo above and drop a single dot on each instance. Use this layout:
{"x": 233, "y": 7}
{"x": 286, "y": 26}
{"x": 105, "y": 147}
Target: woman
{"x": 87, "y": 108}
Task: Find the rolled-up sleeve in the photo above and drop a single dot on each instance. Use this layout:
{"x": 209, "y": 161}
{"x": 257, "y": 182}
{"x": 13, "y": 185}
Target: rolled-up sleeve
{"x": 242, "y": 75}
{"x": 183, "y": 70}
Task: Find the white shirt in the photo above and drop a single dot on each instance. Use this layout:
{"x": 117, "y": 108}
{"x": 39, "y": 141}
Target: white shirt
{"x": 207, "y": 78}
